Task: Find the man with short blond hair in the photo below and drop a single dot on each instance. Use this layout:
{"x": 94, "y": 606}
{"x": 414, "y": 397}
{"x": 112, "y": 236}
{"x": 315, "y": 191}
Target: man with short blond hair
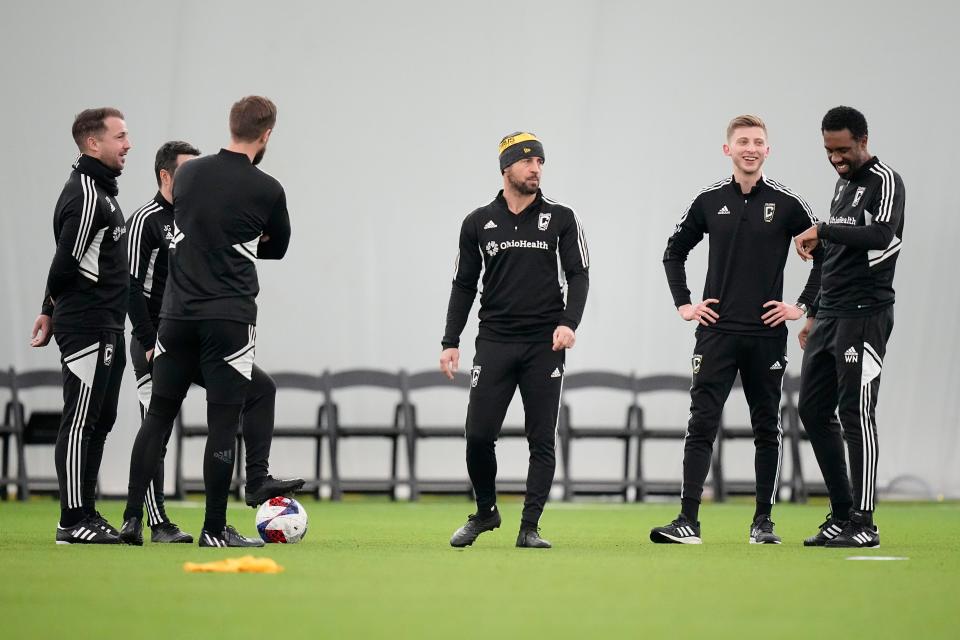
{"x": 86, "y": 304}
{"x": 751, "y": 220}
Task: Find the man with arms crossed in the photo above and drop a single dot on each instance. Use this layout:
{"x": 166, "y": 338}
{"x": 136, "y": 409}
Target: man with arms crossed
{"x": 845, "y": 338}
{"x": 751, "y": 220}
{"x": 150, "y": 232}
{"x": 87, "y": 300}
{"x": 524, "y": 328}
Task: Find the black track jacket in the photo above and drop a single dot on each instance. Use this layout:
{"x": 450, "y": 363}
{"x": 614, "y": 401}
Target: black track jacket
{"x": 223, "y": 204}
{"x": 861, "y": 242}
{"x": 87, "y": 282}
{"x": 525, "y": 259}
{"x": 750, "y": 237}
{"x": 149, "y": 234}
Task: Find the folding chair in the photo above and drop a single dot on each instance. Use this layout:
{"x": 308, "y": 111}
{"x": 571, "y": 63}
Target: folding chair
{"x": 393, "y": 430}
{"x": 598, "y": 380}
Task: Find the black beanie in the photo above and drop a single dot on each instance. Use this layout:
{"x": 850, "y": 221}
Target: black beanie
{"x": 519, "y": 145}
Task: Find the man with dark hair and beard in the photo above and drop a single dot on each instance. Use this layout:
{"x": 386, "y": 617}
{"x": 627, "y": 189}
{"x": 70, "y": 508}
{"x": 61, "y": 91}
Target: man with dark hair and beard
{"x": 525, "y": 327}
{"x": 845, "y": 338}
{"x": 150, "y": 232}
{"x": 86, "y": 303}
{"x": 227, "y": 214}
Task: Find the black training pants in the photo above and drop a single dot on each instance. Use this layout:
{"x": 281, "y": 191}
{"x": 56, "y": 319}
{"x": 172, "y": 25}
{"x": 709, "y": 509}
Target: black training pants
{"x": 841, "y": 377}
{"x": 222, "y": 352}
{"x": 761, "y": 362}
{"x": 92, "y": 373}
{"x": 499, "y": 368}
{"x": 257, "y": 422}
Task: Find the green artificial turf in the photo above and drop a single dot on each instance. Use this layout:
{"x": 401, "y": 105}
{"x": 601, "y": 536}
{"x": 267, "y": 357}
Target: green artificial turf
{"x": 379, "y": 569}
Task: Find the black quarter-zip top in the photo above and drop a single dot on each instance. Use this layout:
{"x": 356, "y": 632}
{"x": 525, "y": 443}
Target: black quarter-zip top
{"x": 526, "y": 260}
{"x": 750, "y": 238}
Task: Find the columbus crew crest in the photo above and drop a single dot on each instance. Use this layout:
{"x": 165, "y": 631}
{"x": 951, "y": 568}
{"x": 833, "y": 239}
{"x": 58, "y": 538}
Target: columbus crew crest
{"x": 108, "y": 355}
{"x": 474, "y": 376}
{"x": 543, "y": 221}
{"x": 769, "y": 209}
{"x": 696, "y": 361}
{"x": 858, "y": 195}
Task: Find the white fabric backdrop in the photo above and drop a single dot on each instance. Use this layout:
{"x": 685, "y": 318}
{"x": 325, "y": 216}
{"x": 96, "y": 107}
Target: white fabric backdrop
{"x": 390, "y": 114}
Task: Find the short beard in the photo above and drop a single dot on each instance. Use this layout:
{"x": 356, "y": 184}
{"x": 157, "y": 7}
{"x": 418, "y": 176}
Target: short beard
{"x": 521, "y": 187}
{"x": 257, "y": 158}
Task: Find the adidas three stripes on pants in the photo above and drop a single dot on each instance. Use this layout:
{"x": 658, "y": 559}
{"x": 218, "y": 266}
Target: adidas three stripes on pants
{"x": 92, "y": 372}
{"x": 839, "y": 387}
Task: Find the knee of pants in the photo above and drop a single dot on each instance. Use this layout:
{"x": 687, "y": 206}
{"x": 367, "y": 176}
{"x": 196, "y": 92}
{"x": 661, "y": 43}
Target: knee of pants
{"x": 163, "y": 408}
{"x": 105, "y": 422}
{"x": 261, "y": 384}
{"x": 542, "y": 443}
{"x": 699, "y": 429}
{"x": 812, "y": 416}
{"x": 476, "y": 443}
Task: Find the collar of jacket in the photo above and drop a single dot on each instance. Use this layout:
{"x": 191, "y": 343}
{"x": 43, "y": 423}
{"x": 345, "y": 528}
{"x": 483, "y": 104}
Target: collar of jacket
{"x": 103, "y": 175}
{"x": 756, "y": 188}
{"x": 160, "y": 200}
{"x": 864, "y": 169}
{"x": 533, "y": 206}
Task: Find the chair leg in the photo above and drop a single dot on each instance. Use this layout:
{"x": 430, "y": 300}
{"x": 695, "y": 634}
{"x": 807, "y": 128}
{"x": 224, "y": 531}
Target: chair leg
{"x": 393, "y": 469}
{"x": 638, "y": 470}
{"x": 6, "y": 465}
{"x": 719, "y": 488}
{"x": 241, "y": 489}
{"x": 626, "y": 467}
{"x": 178, "y": 488}
{"x": 798, "y": 489}
{"x": 317, "y": 466}
{"x": 412, "y": 437}
{"x": 23, "y": 486}
{"x": 335, "y": 490}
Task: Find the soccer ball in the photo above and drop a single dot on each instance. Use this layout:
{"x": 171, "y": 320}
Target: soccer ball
{"x": 281, "y": 520}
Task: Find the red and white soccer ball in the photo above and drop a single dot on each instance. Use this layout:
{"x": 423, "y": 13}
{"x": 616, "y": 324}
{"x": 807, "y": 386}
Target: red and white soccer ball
{"x": 282, "y": 520}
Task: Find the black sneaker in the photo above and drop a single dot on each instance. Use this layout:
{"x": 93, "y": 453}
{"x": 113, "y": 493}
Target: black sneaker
{"x": 271, "y": 488}
{"x": 830, "y": 529}
{"x": 680, "y": 531}
{"x": 168, "y": 532}
{"x": 761, "y": 531}
{"x": 474, "y": 526}
{"x": 85, "y": 532}
{"x": 132, "y": 532}
{"x": 229, "y": 537}
{"x": 860, "y": 533}
{"x": 530, "y": 539}
{"x": 99, "y": 521}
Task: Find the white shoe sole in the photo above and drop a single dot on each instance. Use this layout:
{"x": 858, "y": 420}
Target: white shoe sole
{"x": 684, "y": 540}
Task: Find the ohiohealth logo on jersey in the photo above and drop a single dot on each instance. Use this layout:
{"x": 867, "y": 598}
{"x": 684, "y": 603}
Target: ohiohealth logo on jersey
{"x": 493, "y": 248}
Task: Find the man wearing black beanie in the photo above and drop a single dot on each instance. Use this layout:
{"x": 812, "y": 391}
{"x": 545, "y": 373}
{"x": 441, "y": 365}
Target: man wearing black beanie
{"x": 524, "y": 328}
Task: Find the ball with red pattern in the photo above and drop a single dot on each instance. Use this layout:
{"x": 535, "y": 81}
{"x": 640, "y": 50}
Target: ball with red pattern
{"x": 281, "y": 520}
